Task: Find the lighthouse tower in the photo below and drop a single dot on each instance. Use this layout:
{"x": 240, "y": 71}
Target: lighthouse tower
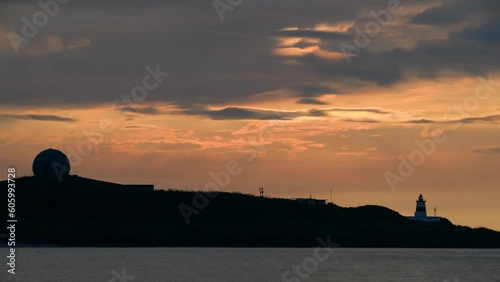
{"x": 421, "y": 210}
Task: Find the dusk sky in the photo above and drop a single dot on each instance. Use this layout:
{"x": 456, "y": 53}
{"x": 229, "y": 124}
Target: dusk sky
{"x": 379, "y": 101}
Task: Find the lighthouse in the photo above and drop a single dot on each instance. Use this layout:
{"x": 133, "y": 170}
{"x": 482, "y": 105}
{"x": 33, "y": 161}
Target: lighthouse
{"x": 421, "y": 212}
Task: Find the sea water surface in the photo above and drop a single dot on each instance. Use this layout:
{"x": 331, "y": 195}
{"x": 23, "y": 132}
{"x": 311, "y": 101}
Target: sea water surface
{"x": 244, "y": 264}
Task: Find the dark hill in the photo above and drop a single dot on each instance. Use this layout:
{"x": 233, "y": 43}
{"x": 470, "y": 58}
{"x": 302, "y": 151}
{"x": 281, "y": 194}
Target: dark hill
{"x": 74, "y": 215}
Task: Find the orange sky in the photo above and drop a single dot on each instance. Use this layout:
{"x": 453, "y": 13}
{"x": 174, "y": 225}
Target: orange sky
{"x": 300, "y": 157}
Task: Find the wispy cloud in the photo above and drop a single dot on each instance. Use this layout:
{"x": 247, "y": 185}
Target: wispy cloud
{"x": 488, "y": 150}
{"x": 485, "y": 119}
{"x": 39, "y": 117}
{"x": 269, "y": 114}
{"x": 311, "y": 101}
{"x": 244, "y": 113}
{"x": 493, "y": 118}
{"x": 367, "y": 110}
{"x": 140, "y": 110}
{"x": 54, "y": 44}
{"x": 421, "y": 121}
{"x": 362, "y": 120}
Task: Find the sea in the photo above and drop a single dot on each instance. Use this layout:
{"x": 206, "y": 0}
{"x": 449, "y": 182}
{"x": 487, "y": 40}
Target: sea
{"x": 251, "y": 264}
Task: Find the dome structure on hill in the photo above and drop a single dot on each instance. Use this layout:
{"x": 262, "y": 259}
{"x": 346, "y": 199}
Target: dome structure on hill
{"x": 52, "y": 165}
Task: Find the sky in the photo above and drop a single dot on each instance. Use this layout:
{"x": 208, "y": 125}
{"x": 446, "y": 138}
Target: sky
{"x": 375, "y": 101}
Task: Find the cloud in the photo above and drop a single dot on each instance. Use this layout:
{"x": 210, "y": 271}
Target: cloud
{"x": 245, "y": 113}
{"x": 268, "y": 114}
{"x": 229, "y": 62}
{"x": 314, "y": 34}
{"x": 310, "y": 90}
{"x": 134, "y": 126}
{"x": 487, "y": 33}
{"x": 485, "y": 119}
{"x": 488, "y": 150}
{"x": 461, "y": 51}
{"x": 492, "y": 118}
{"x": 366, "y": 110}
{"x": 424, "y": 60}
{"x": 437, "y": 16}
{"x": 39, "y": 117}
{"x": 456, "y": 11}
{"x": 423, "y": 121}
{"x": 311, "y": 101}
{"x": 362, "y": 120}
{"x": 139, "y": 110}
{"x": 53, "y": 44}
